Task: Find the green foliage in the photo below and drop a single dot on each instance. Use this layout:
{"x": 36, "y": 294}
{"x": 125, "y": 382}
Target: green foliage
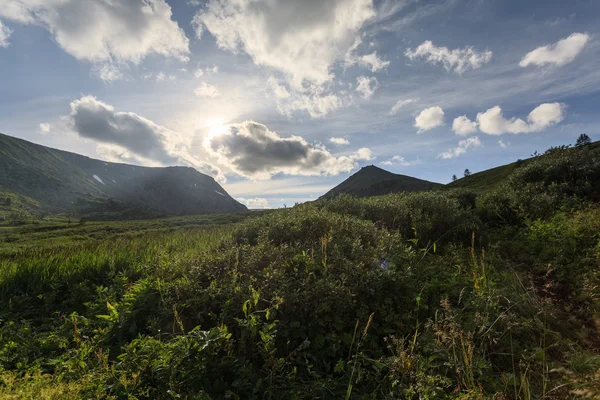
{"x": 445, "y": 294}
{"x": 564, "y": 178}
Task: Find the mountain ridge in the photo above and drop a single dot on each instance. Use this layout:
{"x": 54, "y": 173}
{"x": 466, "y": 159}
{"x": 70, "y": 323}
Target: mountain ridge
{"x": 65, "y": 182}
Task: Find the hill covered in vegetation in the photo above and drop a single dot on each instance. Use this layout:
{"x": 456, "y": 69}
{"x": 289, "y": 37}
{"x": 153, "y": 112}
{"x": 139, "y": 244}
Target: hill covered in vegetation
{"x": 38, "y": 179}
{"x": 441, "y": 294}
{"x": 374, "y": 181}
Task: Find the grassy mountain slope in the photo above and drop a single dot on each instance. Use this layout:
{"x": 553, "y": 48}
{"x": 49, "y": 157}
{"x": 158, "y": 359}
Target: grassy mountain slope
{"x": 63, "y": 182}
{"x": 488, "y": 179}
{"x": 491, "y": 178}
{"x": 374, "y": 181}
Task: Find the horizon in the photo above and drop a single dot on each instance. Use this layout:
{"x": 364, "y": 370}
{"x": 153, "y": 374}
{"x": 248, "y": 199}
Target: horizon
{"x": 281, "y": 102}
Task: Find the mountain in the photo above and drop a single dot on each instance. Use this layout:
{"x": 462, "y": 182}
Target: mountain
{"x": 57, "y": 181}
{"x": 374, "y": 181}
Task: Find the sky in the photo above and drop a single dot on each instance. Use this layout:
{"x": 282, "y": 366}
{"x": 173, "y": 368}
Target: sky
{"x": 281, "y": 100}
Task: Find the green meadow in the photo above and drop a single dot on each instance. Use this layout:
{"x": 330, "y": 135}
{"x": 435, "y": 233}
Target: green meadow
{"x": 445, "y": 294}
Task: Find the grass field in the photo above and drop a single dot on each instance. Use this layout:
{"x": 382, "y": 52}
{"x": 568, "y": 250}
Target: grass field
{"x": 445, "y": 294}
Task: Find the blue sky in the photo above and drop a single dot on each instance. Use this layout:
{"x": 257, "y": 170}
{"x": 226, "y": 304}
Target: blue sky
{"x": 253, "y": 91}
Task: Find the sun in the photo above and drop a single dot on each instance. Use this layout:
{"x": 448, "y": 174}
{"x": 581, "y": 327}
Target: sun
{"x": 216, "y": 127}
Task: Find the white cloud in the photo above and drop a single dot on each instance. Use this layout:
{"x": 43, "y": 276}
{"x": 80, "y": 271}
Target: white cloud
{"x": 5, "y": 33}
{"x": 458, "y": 60}
{"x": 317, "y": 102}
{"x": 463, "y": 126}
{"x": 503, "y": 144}
{"x": 429, "y": 118}
{"x": 373, "y": 62}
{"x": 545, "y": 115}
{"x": 399, "y": 104}
{"x": 208, "y": 70}
{"x": 44, "y": 128}
{"x": 251, "y": 150}
{"x": 160, "y": 76}
{"x": 255, "y": 203}
{"x": 277, "y": 89}
{"x": 366, "y": 86}
{"x": 560, "y": 53}
{"x": 339, "y": 141}
{"x": 108, "y": 72}
{"x": 463, "y": 145}
{"x": 398, "y": 160}
{"x": 100, "y": 31}
{"x": 126, "y": 136}
{"x": 364, "y": 154}
{"x": 302, "y": 39}
{"x": 206, "y": 90}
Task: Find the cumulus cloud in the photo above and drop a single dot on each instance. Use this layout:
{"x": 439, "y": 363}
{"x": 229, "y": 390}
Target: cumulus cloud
{"x": 545, "y": 115}
{"x": 429, "y": 118}
{"x": 255, "y": 203}
{"x": 366, "y": 86}
{"x": 105, "y": 32}
{"x": 463, "y": 126}
{"x": 458, "y": 60}
{"x": 560, "y": 53}
{"x": 463, "y": 146}
{"x": 363, "y": 153}
{"x": 303, "y": 39}
{"x": 96, "y": 120}
{"x": 251, "y": 150}
{"x": 206, "y": 90}
{"x": 44, "y": 128}
{"x": 399, "y": 104}
{"x": 339, "y": 141}
{"x": 398, "y": 160}
{"x": 317, "y": 102}
{"x": 373, "y": 62}
{"x": 126, "y": 136}
{"x": 5, "y": 33}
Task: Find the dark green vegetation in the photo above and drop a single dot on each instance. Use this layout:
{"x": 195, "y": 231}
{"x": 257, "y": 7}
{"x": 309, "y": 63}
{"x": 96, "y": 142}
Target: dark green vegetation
{"x": 39, "y": 180}
{"x": 430, "y": 295}
{"x": 492, "y": 178}
{"x": 374, "y": 181}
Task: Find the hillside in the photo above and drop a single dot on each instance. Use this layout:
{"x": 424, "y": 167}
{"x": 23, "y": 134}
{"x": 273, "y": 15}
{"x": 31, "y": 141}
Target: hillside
{"x": 491, "y": 178}
{"x": 374, "y": 181}
{"x": 488, "y": 179}
{"x": 57, "y": 181}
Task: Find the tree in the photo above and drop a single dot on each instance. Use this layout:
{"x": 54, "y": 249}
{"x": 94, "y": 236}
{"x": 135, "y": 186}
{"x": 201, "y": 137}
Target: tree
{"x": 467, "y": 172}
{"x": 583, "y": 140}
{"x": 454, "y": 178}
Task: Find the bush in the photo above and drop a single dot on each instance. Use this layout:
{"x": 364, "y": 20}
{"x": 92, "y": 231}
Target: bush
{"x": 427, "y": 217}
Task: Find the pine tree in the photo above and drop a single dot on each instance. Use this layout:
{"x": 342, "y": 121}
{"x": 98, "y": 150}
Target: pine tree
{"x": 454, "y": 178}
{"x": 583, "y": 140}
{"x": 467, "y": 172}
